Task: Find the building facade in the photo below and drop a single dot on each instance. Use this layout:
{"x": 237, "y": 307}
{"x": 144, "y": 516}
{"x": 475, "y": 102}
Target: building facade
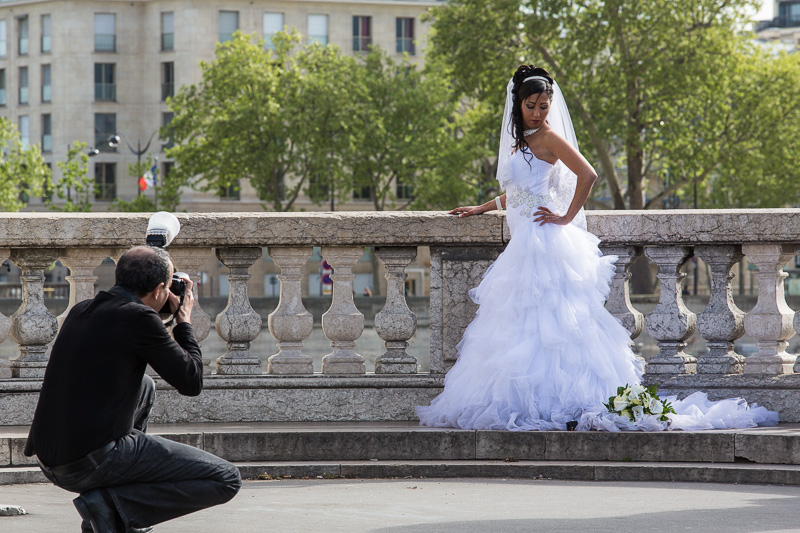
{"x": 89, "y": 70}
{"x": 782, "y": 32}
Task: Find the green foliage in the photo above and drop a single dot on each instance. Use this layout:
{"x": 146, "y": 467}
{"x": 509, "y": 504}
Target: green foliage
{"x": 313, "y": 120}
{"x": 76, "y": 188}
{"x": 22, "y": 169}
{"x": 664, "y": 94}
{"x": 140, "y": 204}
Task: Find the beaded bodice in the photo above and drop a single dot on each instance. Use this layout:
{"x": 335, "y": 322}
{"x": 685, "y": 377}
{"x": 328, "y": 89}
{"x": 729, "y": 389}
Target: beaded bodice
{"x": 529, "y": 187}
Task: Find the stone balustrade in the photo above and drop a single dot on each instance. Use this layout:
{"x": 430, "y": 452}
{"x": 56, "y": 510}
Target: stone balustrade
{"x": 238, "y": 388}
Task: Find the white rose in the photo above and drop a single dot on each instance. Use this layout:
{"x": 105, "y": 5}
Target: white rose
{"x": 638, "y": 412}
{"x": 620, "y": 403}
{"x": 637, "y": 389}
{"x": 656, "y": 407}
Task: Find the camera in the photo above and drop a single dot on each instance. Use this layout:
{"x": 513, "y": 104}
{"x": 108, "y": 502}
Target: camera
{"x": 161, "y": 229}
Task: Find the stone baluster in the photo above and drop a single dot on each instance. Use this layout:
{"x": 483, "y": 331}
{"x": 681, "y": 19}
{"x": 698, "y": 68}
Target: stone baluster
{"x": 395, "y": 323}
{"x": 770, "y": 322}
{"x": 190, "y": 260}
{"x": 32, "y": 325}
{"x": 238, "y": 324}
{"x": 619, "y": 296}
{"x": 81, "y": 263}
{"x": 343, "y": 323}
{"x": 671, "y": 323}
{"x": 290, "y": 323}
{"x": 5, "y": 323}
{"x": 721, "y": 322}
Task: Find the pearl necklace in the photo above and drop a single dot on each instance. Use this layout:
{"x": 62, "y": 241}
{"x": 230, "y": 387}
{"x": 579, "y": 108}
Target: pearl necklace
{"x": 531, "y": 131}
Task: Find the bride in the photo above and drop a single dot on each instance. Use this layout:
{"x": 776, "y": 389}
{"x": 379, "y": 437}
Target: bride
{"x": 542, "y": 350}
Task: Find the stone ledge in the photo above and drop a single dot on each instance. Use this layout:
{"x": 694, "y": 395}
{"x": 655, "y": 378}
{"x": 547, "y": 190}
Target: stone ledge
{"x": 395, "y": 228}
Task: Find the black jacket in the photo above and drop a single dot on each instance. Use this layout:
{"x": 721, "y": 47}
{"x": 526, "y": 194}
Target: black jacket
{"x": 92, "y": 379}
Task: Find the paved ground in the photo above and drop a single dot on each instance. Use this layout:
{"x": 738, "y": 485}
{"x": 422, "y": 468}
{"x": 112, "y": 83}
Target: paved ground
{"x": 431, "y": 505}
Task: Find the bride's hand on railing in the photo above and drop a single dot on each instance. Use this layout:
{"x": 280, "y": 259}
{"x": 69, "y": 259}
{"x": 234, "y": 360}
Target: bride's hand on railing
{"x": 467, "y": 210}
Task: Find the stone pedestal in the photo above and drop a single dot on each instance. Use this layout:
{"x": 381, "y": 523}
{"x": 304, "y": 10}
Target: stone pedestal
{"x": 238, "y": 324}
{"x": 81, "y": 263}
{"x": 290, "y": 323}
{"x": 721, "y": 323}
{"x": 395, "y": 324}
{"x": 32, "y": 325}
{"x": 671, "y": 322}
{"x": 343, "y": 323}
{"x": 770, "y": 322}
{"x": 619, "y": 297}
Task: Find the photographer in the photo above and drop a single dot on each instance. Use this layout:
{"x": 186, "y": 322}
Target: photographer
{"x": 88, "y": 429}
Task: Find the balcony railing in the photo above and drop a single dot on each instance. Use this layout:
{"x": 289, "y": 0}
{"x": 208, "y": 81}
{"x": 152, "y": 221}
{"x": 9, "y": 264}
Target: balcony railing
{"x": 461, "y": 250}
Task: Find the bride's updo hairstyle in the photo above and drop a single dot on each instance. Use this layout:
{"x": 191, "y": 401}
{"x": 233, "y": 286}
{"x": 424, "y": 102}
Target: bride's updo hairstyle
{"x": 522, "y": 90}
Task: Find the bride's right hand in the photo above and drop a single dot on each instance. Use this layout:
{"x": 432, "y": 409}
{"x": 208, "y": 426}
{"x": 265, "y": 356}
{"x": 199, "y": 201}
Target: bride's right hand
{"x": 467, "y": 211}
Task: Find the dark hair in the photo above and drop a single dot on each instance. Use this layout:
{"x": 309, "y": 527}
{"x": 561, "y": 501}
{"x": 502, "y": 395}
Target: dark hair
{"x": 142, "y": 268}
{"x": 521, "y": 90}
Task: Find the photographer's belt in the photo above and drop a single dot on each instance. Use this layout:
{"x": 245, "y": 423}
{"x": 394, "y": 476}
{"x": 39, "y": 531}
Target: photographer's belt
{"x": 92, "y": 459}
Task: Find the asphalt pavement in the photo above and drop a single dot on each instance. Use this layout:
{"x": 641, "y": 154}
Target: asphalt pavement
{"x": 464, "y": 506}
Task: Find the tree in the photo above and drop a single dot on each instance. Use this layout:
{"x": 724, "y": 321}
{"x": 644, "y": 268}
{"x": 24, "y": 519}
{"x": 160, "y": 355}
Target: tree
{"x": 75, "y": 188}
{"x": 402, "y": 134}
{"x": 658, "y": 90}
{"x": 23, "y": 171}
{"x": 313, "y": 120}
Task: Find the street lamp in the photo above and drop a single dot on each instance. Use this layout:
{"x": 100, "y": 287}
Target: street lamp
{"x": 113, "y": 142}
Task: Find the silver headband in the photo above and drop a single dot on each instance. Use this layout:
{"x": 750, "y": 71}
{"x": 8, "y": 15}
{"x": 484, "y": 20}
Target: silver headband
{"x": 537, "y": 78}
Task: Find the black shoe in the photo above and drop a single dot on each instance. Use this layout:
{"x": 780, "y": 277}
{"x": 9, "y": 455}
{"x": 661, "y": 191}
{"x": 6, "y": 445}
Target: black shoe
{"x": 93, "y": 507}
{"x": 141, "y": 529}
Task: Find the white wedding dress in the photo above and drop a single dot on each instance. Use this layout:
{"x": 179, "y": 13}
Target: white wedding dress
{"x": 542, "y": 349}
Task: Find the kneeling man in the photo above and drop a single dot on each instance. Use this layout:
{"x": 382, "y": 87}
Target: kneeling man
{"x": 88, "y": 432}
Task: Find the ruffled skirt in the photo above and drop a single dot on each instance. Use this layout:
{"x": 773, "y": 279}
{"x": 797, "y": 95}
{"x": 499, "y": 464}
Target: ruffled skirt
{"x": 543, "y": 350}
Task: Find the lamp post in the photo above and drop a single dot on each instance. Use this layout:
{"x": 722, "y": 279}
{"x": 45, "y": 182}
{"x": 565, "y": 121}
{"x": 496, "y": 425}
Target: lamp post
{"x": 113, "y": 142}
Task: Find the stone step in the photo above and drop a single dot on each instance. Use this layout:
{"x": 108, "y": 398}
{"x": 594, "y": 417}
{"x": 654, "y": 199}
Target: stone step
{"x": 742, "y": 473}
{"x": 407, "y": 444}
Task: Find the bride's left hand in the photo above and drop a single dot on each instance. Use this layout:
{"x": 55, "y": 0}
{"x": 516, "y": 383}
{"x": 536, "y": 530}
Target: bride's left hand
{"x": 545, "y": 216}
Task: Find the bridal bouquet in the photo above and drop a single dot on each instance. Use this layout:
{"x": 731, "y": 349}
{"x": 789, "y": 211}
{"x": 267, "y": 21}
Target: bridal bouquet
{"x": 635, "y": 401}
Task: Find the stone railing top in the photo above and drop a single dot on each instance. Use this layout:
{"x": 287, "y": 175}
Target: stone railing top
{"x": 695, "y": 226}
{"x": 389, "y": 228}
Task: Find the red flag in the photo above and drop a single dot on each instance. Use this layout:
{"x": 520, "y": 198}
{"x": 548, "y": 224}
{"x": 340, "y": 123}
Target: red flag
{"x": 142, "y": 183}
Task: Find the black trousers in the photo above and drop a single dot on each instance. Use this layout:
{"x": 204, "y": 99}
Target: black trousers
{"x": 150, "y": 479}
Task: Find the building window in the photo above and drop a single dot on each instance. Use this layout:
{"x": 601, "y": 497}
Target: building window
{"x": 166, "y": 118}
{"x": 47, "y": 133}
{"x": 105, "y": 125}
{"x": 25, "y": 130}
{"x": 166, "y": 170}
{"x": 318, "y": 29}
{"x": 405, "y": 35}
{"x": 2, "y": 86}
{"x": 273, "y": 23}
{"x": 228, "y": 23}
{"x": 22, "y": 33}
{"x": 23, "y": 85}
{"x": 362, "y": 193}
{"x": 105, "y": 36}
{"x": 105, "y": 181}
{"x": 231, "y": 192}
{"x": 46, "y": 89}
{"x": 167, "y": 80}
{"x": 46, "y": 39}
{"x": 105, "y": 87}
{"x": 362, "y": 33}
{"x": 167, "y": 31}
{"x": 3, "y": 39}
{"x": 404, "y": 191}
